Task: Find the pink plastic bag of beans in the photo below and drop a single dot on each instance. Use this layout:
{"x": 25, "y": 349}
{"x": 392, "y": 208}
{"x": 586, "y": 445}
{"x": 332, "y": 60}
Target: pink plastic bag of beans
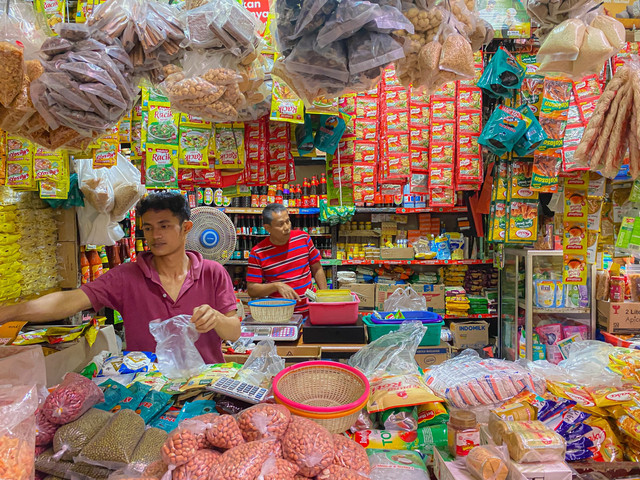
{"x": 74, "y": 396}
{"x": 45, "y": 430}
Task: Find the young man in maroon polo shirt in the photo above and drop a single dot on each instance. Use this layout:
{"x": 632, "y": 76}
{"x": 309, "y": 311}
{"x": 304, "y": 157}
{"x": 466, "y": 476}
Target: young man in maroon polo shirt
{"x": 162, "y": 283}
{"x": 283, "y": 264}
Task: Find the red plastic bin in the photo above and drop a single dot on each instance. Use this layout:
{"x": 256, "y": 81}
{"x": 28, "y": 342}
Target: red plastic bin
{"x": 334, "y": 313}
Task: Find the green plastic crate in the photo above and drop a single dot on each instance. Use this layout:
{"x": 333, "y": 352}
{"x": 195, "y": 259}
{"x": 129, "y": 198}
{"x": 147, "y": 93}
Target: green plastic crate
{"x": 431, "y": 337}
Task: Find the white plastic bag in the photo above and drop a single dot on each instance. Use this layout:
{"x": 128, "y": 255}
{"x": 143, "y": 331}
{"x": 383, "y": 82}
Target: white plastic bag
{"x": 391, "y": 354}
{"x": 17, "y": 431}
{"x": 126, "y": 181}
{"x": 97, "y": 228}
{"x": 263, "y": 364}
{"x": 95, "y": 185}
{"x": 176, "y": 350}
{"x": 405, "y": 300}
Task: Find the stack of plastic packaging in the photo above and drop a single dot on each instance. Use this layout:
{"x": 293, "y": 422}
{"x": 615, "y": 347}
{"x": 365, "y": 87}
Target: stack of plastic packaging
{"x": 37, "y": 228}
{"x": 10, "y": 266}
{"x": 457, "y": 302}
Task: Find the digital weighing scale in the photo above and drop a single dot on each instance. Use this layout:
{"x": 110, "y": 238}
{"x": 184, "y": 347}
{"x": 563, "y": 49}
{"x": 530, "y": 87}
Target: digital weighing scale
{"x": 283, "y": 332}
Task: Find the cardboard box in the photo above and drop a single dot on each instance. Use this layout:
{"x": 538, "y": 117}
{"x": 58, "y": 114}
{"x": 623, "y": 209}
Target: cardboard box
{"x": 291, "y": 355}
{"x": 68, "y": 264}
{"x": 67, "y": 225}
{"x": 540, "y": 471}
{"x": 78, "y": 355}
{"x": 366, "y": 292}
{"x": 470, "y": 334}
{"x": 397, "y": 253}
{"x": 619, "y": 317}
{"x": 434, "y": 294}
{"x": 429, "y": 356}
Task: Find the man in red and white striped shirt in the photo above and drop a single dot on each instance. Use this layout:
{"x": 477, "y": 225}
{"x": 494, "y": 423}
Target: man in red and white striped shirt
{"x": 283, "y": 264}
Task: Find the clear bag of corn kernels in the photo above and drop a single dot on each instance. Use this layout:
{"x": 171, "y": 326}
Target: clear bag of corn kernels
{"x": 17, "y": 431}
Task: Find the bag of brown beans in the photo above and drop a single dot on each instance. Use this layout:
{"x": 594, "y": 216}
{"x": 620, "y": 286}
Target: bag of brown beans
{"x": 180, "y": 447}
{"x": 223, "y": 432}
{"x": 198, "y": 467}
{"x": 264, "y": 421}
{"x": 308, "y": 445}
{"x": 278, "y": 469}
{"x": 338, "y": 472}
{"x": 45, "y": 430}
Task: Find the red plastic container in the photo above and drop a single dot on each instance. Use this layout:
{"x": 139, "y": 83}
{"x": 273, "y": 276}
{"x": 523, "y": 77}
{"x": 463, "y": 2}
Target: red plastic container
{"x": 334, "y": 313}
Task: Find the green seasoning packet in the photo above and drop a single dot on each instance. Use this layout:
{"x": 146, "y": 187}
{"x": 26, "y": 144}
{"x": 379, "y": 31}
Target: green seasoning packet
{"x": 194, "y": 147}
{"x": 161, "y": 164}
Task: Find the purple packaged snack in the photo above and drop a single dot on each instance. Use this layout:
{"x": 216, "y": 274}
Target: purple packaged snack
{"x": 579, "y": 444}
{"x": 571, "y": 330}
{"x": 577, "y": 431}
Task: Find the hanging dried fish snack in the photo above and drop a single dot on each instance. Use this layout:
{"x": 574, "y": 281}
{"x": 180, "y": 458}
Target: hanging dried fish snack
{"x": 150, "y": 32}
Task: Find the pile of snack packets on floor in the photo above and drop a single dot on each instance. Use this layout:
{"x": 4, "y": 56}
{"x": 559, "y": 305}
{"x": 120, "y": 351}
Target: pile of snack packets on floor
{"x": 122, "y": 418}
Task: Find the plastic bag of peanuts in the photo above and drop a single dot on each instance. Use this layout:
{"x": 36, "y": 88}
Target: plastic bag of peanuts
{"x": 278, "y": 469}
{"x": 245, "y": 461}
{"x": 224, "y": 432}
{"x": 181, "y": 446}
{"x": 338, "y": 472}
{"x": 17, "y": 431}
{"x": 264, "y": 421}
{"x": 350, "y": 454}
{"x": 308, "y": 445}
{"x": 74, "y": 396}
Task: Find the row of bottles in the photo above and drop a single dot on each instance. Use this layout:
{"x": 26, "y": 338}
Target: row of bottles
{"x": 239, "y": 278}
{"x": 307, "y": 195}
{"x": 245, "y": 244}
{"x": 252, "y": 225}
{"x": 95, "y": 261}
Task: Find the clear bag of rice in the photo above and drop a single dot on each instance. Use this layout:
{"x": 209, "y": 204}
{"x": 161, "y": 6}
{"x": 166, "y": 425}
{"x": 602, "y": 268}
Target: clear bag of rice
{"x": 564, "y": 41}
{"x": 456, "y": 55}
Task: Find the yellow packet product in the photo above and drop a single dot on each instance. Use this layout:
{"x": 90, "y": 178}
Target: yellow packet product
{"x": 124, "y": 128}
{"x": 49, "y": 165}
{"x": 161, "y": 164}
{"x": 162, "y": 128}
{"x": 574, "y": 270}
{"x": 229, "y": 146}
{"x": 609, "y": 396}
{"x": 575, "y": 205}
{"x": 106, "y": 149}
{"x": 399, "y": 391}
{"x": 210, "y": 374}
{"x": 575, "y": 238}
{"x": 629, "y": 426}
{"x": 188, "y": 120}
{"x": 432, "y": 413}
{"x": 523, "y": 222}
{"x": 155, "y": 380}
{"x": 607, "y": 445}
{"x": 324, "y": 106}
{"x": 20, "y": 173}
{"x": 9, "y": 331}
{"x": 194, "y": 147}
{"x": 577, "y": 393}
{"x": 53, "y": 189}
{"x": 285, "y": 104}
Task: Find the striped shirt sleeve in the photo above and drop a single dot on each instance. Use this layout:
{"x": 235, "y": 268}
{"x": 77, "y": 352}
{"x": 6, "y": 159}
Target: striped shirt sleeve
{"x": 254, "y": 269}
{"x": 314, "y": 254}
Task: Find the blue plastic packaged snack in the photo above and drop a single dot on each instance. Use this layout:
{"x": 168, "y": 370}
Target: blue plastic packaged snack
{"x": 114, "y": 392}
{"x": 579, "y": 444}
{"x": 533, "y": 137}
{"x": 505, "y": 128}
{"x": 442, "y": 249}
{"x": 129, "y": 362}
{"x": 304, "y": 136}
{"x": 578, "y": 455}
{"x": 329, "y": 133}
{"x": 577, "y": 431}
{"x": 503, "y": 75}
{"x": 571, "y": 420}
{"x": 167, "y": 421}
{"x": 137, "y": 392}
{"x": 197, "y": 408}
{"x": 153, "y": 404}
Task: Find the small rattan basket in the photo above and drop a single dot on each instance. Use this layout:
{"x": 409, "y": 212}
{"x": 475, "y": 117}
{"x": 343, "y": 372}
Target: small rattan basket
{"x": 330, "y": 393}
{"x": 272, "y": 310}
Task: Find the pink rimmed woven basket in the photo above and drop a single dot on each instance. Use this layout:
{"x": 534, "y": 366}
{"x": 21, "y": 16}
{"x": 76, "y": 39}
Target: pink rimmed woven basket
{"x": 330, "y": 393}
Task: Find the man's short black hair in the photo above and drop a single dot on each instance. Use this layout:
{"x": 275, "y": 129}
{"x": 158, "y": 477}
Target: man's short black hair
{"x": 269, "y": 210}
{"x": 168, "y": 200}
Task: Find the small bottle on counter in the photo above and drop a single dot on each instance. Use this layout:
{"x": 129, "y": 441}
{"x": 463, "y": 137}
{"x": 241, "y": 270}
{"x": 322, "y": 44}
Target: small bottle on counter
{"x": 617, "y": 288}
{"x": 463, "y": 433}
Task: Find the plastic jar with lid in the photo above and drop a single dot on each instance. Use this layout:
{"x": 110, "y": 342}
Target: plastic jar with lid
{"x": 617, "y": 289}
{"x": 463, "y": 432}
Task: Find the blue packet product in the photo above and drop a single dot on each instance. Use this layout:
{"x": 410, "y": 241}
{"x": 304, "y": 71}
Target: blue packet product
{"x": 571, "y": 420}
{"x": 114, "y": 392}
{"x": 503, "y": 130}
{"x": 152, "y": 404}
{"x": 577, "y": 431}
{"x": 578, "y": 455}
{"x": 442, "y": 249}
{"x": 304, "y": 136}
{"x": 580, "y": 444}
{"x": 329, "y": 133}
{"x": 129, "y": 362}
{"x": 533, "y": 137}
{"x": 197, "y": 408}
{"x": 167, "y": 421}
{"x": 137, "y": 392}
{"x": 503, "y": 75}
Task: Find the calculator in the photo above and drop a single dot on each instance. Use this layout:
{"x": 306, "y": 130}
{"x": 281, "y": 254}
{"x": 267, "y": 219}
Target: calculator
{"x": 239, "y": 390}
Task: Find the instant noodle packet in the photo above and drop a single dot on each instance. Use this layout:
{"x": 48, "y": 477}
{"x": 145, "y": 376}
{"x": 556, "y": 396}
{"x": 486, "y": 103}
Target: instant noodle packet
{"x": 399, "y": 391}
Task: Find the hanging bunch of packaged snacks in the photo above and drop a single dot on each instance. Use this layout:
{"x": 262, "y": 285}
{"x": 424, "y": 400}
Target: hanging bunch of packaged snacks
{"x": 503, "y": 75}
{"x": 328, "y": 48}
{"x": 149, "y": 31}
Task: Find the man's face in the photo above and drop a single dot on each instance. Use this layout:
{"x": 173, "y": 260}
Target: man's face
{"x": 280, "y": 228}
{"x": 164, "y": 232}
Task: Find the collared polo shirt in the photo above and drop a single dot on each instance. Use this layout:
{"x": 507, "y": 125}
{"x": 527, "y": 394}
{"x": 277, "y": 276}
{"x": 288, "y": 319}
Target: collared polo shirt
{"x": 134, "y": 290}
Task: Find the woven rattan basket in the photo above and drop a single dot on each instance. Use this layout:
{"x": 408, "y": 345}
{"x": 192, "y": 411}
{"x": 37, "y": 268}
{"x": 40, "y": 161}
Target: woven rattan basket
{"x": 330, "y": 393}
{"x": 272, "y": 310}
